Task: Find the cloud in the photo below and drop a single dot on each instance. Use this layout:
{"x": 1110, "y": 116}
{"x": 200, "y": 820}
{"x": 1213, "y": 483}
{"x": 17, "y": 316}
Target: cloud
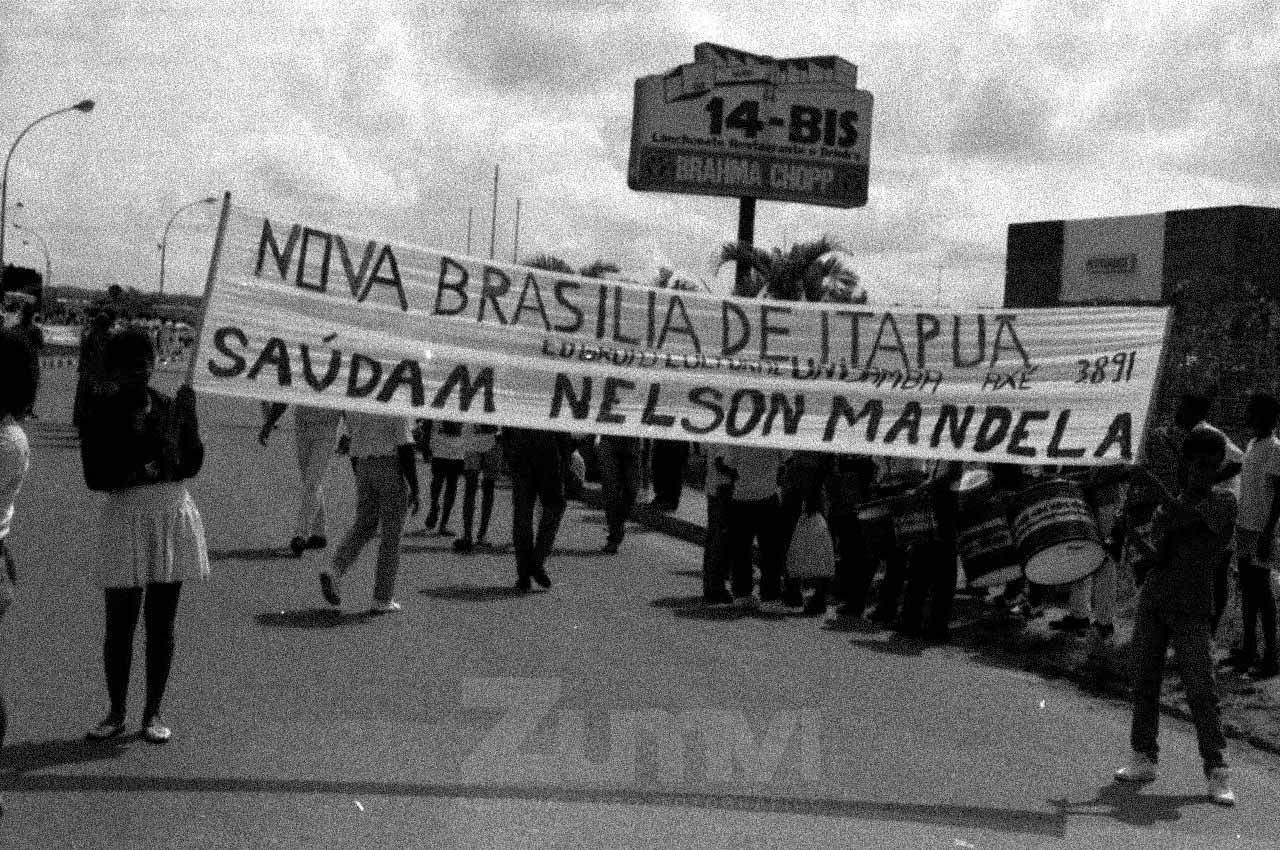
{"x": 1003, "y": 120}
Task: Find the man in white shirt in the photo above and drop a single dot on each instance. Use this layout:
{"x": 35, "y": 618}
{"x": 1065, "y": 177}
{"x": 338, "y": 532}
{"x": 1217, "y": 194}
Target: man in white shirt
{"x": 1255, "y": 536}
{"x": 386, "y": 472}
{"x": 754, "y": 515}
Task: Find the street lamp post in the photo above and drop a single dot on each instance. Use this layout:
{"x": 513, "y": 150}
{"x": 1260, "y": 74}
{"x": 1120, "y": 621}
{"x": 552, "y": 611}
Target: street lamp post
{"x": 164, "y": 240}
{"x": 83, "y": 106}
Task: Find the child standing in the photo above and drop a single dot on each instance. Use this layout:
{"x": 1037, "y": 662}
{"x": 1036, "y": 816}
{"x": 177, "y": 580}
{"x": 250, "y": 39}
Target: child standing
{"x": 754, "y": 515}
{"x": 1175, "y": 606}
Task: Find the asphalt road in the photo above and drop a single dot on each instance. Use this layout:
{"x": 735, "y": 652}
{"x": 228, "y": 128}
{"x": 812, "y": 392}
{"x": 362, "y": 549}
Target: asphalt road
{"x": 610, "y": 711}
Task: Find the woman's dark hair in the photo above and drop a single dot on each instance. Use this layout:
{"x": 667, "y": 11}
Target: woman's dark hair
{"x": 1265, "y": 404}
{"x": 127, "y": 351}
{"x": 1203, "y": 442}
{"x": 19, "y": 373}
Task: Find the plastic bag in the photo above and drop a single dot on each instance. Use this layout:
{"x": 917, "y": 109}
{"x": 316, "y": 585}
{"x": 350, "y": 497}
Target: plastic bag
{"x": 811, "y": 553}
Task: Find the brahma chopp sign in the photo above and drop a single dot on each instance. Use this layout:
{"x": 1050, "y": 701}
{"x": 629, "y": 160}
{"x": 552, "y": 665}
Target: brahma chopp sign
{"x": 742, "y": 125}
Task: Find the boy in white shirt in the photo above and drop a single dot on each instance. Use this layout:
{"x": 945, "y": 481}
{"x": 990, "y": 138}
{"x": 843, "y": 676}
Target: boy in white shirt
{"x": 754, "y": 515}
{"x": 1255, "y": 535}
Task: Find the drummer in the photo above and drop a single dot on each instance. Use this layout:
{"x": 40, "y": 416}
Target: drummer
{"x": 1092, "y": 598}
{"x": 931, "y": 572}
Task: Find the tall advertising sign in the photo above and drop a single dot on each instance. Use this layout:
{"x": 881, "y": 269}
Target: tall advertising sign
{"x": 742, "y": 125}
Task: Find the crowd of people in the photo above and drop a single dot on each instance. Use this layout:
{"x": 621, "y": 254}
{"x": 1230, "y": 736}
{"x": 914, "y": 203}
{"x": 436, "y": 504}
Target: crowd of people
{"x": 1194, "y": 509}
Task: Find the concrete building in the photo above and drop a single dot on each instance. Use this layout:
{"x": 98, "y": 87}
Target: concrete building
{"x": 1219, "y": 268}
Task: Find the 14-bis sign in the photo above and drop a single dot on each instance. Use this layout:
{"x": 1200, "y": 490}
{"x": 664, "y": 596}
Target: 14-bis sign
{"x": 742, "y": 125}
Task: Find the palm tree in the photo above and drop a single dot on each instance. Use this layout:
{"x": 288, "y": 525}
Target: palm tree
{"x": 549, "y": 263}
{"x": 599, "y": 268}
{"x": 807, "y": 271}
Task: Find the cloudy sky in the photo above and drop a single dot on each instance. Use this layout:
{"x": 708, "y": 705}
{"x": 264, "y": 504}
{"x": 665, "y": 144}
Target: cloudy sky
{"x": 386, "y": 118}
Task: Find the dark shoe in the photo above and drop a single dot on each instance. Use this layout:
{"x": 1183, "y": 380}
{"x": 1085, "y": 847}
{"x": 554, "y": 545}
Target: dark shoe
{"x": 297, "y": 546}
{"x": 317, "y": 541}
{"x": 330, "y": 588}
{"x": 432, "y": 519}
{"x": 936, "y": 636}
{"x": 1265, "y": 670}
{"x": 1070, "y": 623}
{"x": 610, "y": 548}
{"x": 717, "y": 600}
{"x": 1238, "y": 660}
{"x": 541, "y": 577}
{"x": 463, "y": 544}
{"x": 815, "y": 607}
{"x": 522, "y": 584}
{"x": 793, "y": 600}
{"x": 109, "y": 727}
{"x": 852, "y": 611}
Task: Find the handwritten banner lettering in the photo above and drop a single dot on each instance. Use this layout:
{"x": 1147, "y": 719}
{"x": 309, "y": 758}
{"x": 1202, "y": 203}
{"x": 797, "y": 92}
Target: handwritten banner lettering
{"x": 300, "y": 314}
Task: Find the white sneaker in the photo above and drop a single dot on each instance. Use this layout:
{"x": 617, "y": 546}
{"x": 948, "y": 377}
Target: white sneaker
{"x": 389, "y": 606}
{"x": 1139, "y": 769}
{"x": 1219, "y": 780}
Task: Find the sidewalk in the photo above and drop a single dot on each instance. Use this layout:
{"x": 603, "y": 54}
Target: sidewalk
{"x": 1250, "y": 711}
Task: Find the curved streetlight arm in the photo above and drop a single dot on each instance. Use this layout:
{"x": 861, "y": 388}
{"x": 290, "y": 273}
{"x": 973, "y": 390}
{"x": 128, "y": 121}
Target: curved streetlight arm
{"x": 82, "y": 106}
{"x": 164, "y": 240}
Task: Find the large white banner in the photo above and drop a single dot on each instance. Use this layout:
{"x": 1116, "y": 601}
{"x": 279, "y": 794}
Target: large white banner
{"x": 299, "y": 314}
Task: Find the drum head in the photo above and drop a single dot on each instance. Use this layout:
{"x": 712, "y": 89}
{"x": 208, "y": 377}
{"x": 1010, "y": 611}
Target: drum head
{"x": 1065, "y": 562}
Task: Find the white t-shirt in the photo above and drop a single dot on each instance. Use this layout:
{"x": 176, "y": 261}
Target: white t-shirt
{"x": 378, "y": 436}
{"x": 15, "y": 460}
{"x": 757, "y": 470}
{"x": 1261, "y": 461}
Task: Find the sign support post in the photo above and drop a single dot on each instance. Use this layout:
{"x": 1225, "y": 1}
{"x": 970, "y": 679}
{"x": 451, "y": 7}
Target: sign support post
{"x": 746, "y": 237}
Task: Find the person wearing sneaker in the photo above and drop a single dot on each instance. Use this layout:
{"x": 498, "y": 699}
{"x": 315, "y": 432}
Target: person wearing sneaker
{"x": 19, "y": 381}
{"x": 1175, "y": 604}
{"x": 137, "y": 447}
{"x": 382, "y": 451}
{"x": 1256, "y": 548}
{"x": 315, "y": 436}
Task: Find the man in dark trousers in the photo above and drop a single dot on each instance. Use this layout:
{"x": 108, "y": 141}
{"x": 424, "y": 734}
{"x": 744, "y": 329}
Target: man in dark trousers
{"x": 669, "y": 458}
{"x": 536, "y": 460}
{"x": 619, "y": 459}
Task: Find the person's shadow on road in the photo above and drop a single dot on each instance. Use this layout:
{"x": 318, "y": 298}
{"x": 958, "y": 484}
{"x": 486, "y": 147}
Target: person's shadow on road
{"x": 32, "y": 756}
{"x": 471, "y": 592}
{"x": 312, "y": 618}
{"x": 895, "y": 644}
{"x": 1125, "y": 802}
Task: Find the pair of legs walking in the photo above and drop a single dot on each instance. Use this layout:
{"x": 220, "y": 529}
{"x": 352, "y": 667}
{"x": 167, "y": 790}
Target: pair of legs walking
{"x": 619, "y": 459}
{"x": 751, "y": 521}
{"x": 535, "y": 479}
{"x": 444, "y": 476}
{"x": 158, "y": 604}
{"x": 382, "y": 502}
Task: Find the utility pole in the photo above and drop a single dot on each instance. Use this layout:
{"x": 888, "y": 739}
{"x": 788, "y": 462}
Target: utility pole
{"x": 493, "y": 217}
{"x": 515, "y": 245}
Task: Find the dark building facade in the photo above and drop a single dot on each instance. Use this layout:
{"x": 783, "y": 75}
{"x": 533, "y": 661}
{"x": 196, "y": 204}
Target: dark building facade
{"x": 1219, "y": 268}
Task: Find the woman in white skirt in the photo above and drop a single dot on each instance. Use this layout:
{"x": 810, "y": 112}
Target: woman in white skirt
{"x": 138, "y": 446}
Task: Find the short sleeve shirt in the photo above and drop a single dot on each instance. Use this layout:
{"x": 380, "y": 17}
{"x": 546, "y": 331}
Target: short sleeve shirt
{"x": 1261, "y": 461}
{"x": 757, "y": 470}
{"x": 378, "y": 436}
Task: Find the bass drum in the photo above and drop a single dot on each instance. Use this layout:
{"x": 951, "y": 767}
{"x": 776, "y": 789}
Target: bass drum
{"x": 986, "y": 540}
{"x": 1055, "y": 532}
